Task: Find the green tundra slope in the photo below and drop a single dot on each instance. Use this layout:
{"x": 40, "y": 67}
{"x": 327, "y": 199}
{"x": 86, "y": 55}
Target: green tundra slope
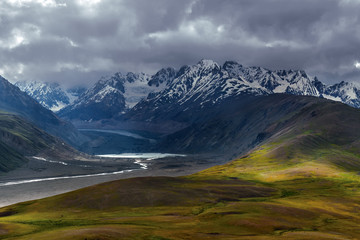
{"x": 19, "y": 138}
{"x": 301, "y": 183}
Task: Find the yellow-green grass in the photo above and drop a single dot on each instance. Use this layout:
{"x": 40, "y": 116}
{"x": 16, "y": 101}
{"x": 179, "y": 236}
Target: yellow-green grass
{"x": 295, "y": 186}
{"x": 295, "y": 206}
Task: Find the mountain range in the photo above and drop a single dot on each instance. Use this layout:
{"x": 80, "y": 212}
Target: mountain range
{"x": 207, "y": 83}
{"x": 205, "y": 80}
{"x": 186, "y": 105}
{"x": 231, "y": 79}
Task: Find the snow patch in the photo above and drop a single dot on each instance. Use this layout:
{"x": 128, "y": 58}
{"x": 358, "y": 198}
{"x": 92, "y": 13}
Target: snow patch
{"x": 338, "y": 99}
{"x": 50, "y": 161}
{"x": 59, "y": 105}
{"x": 139, "y": 90}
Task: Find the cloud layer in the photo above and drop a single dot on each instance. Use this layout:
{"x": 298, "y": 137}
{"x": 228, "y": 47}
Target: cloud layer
{"x": 77, "y": 41}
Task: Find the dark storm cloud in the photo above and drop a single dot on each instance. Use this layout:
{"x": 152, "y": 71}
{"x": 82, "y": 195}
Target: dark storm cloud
{"x": 79, "y": 40}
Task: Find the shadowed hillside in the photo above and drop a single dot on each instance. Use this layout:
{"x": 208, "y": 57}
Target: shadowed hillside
{"x": 233, "y": 128}
{"x": 19, "y": 138}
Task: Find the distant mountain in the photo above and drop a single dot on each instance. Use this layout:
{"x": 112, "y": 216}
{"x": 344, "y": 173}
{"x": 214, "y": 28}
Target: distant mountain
{"x": 145, "y": 98}
{"x": 51, "y": 95}
{"x": 154, "y": 101}
{"x": 13, "y": 100}
{"x": 116, "y": 94}
{"x": 206, "y": 84}
{"x": 345, "y": 92}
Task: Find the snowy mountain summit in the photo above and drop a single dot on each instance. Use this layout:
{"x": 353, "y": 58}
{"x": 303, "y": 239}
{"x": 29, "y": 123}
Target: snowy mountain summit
{"x": 50, "y": 95}
{"x": 116, "y": 94}
{"x": 204, "y": 84}
{"x": 345, "y": 92}
{"x": 208, "y": 82}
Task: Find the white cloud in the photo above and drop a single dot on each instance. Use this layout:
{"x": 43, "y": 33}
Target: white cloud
{"x": 70, "y": 42}
{"x": 44, "y": 3}
{"x": 61, "y": 66}
{"x": 13, "y": 72}
{"x": 284, "y": 43}
{"x": 200, "y": 30}
{"x": 88, "y": 2}
{"x": 16, "y": 39}
{"x": 20, "y": 36}
{"x": 357, "y": 64}
{"x": 95, "y": 64}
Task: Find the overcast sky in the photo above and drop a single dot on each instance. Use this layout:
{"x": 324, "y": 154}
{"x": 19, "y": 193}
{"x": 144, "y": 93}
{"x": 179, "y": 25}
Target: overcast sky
{"x": 80, "y": 40}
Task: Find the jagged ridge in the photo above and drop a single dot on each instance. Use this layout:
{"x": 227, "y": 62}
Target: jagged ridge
{"x": 50, "y": 95}
{"x": 205, "y": 83}
{"x": 116, "y": 94}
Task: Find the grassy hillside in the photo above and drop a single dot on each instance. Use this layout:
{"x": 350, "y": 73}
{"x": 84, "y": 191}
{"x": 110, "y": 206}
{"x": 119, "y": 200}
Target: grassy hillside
{"x": 19, "y": 138}
{"x": 301, "y": 183}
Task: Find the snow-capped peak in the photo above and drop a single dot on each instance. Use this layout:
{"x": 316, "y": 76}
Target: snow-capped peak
{"x": 346, "y": 92}
{"x": 50, "y": 95}
{"x": 116, "y": 94}
{"x": 205, "y": 82}
{"x": 164, "y": 76}
{"x": 207, "y": 63}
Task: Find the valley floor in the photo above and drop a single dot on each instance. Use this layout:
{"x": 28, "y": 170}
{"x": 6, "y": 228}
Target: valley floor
{"x": 39, "y": 179}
